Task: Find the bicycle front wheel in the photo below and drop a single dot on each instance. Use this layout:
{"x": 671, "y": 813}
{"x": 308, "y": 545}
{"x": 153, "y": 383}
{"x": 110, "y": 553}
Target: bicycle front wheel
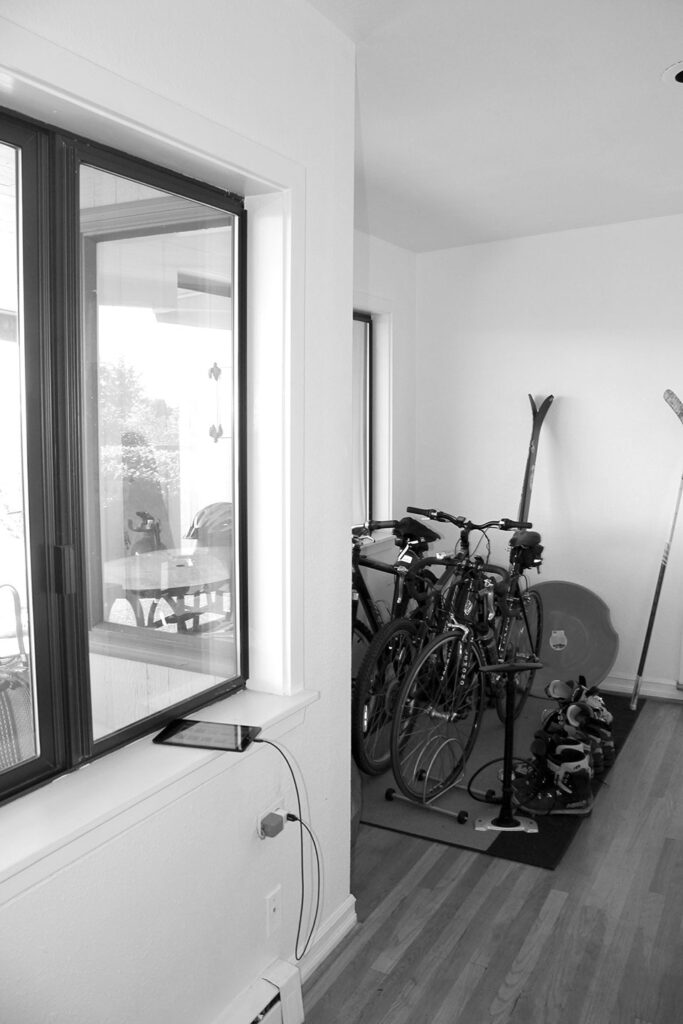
{"x": 523, "y": 642}
{"x": 437, "y": 717}
{"x": 384, "y": 666}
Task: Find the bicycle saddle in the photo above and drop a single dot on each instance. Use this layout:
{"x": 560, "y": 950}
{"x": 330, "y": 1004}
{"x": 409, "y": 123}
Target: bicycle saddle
{"x": 525, "y": 539}
{"x": 412, "y": 529}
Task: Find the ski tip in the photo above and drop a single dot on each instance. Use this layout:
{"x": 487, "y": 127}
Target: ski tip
{"x": 672, "y": 399}
{"x": 546, "y": 401}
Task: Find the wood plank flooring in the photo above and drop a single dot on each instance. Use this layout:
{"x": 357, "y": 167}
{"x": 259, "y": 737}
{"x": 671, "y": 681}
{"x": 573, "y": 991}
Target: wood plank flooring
{"x": 448, "y": 936}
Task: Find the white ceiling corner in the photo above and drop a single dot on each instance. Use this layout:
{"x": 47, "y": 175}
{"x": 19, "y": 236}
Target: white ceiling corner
{"x": 480, "y": 120}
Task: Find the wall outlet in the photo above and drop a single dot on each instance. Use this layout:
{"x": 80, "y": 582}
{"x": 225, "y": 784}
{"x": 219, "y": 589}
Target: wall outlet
{"x": 273, "y": 910}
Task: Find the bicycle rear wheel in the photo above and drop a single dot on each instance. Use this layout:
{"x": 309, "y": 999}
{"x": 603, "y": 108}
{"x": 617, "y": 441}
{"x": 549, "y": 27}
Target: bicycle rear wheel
{"x": 387, "y": 659}
{"x": 437, "y": 717}
{"x": 360, "y": 641}
{"x": 523, "y": 642}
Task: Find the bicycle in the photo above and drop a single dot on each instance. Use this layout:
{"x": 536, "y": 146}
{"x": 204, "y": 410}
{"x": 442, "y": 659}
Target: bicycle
{"x": 443, "y": 697}
{"x": 391, "y": 652}
{"x": 412, "y": 538}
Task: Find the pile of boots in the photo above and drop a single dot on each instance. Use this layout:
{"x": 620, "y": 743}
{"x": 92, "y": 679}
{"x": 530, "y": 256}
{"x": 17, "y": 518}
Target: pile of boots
{"x": 573, "y": 746}
{"x": 581, "y": 715}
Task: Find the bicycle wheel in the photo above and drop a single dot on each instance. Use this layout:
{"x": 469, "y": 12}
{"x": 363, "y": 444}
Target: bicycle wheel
{"x": 437, "y": 717}
{"x": 360, "y": 641}
{"x": 388, "y": 657}
{"x": 523, "y": 641}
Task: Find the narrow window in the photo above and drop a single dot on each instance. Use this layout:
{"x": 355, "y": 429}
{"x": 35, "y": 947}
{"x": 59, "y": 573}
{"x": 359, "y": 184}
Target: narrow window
{"x": 361, "y": 442}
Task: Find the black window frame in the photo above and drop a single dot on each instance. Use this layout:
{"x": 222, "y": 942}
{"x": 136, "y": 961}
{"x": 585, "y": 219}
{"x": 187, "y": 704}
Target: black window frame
{"x": 52, "y": 314}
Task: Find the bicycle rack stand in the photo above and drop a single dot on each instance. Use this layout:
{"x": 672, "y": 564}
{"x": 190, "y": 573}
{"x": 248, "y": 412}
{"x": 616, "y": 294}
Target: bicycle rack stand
{"x": 505, "y": 820}
{"x": 460, "y": 816}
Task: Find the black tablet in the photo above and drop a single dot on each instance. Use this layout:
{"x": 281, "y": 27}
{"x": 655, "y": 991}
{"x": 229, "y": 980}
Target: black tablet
{"x": 189, "y": 732}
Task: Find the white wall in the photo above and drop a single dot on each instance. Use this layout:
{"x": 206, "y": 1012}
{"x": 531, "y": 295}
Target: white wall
{"x": 170, "y": 910}
{"x": 595, "y": 318}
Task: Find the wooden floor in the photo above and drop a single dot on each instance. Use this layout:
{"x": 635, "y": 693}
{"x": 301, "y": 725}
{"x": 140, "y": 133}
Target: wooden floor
{"x": 447, "y": 936}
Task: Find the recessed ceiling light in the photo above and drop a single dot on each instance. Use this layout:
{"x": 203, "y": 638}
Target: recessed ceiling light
{"x": 674, "y": 73}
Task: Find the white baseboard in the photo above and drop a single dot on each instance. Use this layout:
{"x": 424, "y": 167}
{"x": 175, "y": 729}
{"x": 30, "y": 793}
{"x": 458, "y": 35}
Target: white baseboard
{"x": 655, "y": 689}
{"x": 274, "y": 997}
{"x": 334, "y": 930}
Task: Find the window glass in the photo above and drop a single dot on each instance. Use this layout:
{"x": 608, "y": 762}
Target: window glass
{"x": 159, "y": 448}
{"x": 360, "y": 409}
{"x": 122, "y": 384}
{"x": 18, "y": 734}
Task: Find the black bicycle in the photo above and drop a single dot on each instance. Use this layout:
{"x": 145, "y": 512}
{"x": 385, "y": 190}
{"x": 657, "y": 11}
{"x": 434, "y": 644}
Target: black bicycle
{"x": 495, "y": 620}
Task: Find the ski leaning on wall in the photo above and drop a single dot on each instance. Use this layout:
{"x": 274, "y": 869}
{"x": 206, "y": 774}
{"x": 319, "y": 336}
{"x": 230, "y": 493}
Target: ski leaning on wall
{"x": 538, "y": 415}
{"x": 674, "y": 401}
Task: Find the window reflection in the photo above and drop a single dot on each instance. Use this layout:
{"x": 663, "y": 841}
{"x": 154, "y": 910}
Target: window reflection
{"x": 160, "y": 445}
{"x": 18, "y": 734}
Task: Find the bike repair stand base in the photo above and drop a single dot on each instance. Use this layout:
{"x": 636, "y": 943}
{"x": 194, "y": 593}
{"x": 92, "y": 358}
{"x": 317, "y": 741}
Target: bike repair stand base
{"x": 506, "y": 820}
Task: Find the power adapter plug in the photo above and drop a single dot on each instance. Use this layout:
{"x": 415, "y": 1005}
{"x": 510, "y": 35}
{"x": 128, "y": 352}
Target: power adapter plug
{"x": 272, "y": 824}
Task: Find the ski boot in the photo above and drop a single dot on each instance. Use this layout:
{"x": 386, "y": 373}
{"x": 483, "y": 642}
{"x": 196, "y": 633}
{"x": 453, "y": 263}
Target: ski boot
{"x": 559, "y": 783}
{"x": 557, "y": 729}
{"x": 581, "y": 722}
{"x": 582, "y": 713}
{"x": 589, "y": 696}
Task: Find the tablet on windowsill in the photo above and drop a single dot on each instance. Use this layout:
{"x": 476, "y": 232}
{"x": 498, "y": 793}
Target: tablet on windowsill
{"x": 189, "y": 732}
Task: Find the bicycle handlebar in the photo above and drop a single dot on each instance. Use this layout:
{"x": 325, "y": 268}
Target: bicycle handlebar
{"x": 461, "y": 522}
{"x": 370, "y": 525}
{"x": 440, "y": 517}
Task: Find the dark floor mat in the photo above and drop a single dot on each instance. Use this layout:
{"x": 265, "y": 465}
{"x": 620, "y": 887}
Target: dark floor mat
{"x": 555, "y": 832}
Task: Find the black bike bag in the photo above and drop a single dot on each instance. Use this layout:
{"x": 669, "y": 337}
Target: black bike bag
{"x": 526, "y": 544}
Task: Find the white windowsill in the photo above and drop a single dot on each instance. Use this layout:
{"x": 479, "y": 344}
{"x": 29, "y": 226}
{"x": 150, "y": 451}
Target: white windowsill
{"x": 51, "y": 826}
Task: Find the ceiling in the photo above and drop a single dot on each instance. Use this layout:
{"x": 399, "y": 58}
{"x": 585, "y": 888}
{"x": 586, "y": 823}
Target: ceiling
{"x": 479, "y": 120}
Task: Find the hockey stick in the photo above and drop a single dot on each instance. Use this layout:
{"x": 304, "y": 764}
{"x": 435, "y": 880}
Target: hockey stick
{"x": 538, "y": 415}
{"x": 677, "y": 407}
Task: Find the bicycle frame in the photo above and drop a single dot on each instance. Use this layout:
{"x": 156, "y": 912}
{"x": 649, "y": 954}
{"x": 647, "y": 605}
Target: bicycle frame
{"x": 361, "y": 598}
{"x": 365, "y": 610}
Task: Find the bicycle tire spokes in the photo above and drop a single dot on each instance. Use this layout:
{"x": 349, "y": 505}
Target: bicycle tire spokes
{"x": 437, "y": 719}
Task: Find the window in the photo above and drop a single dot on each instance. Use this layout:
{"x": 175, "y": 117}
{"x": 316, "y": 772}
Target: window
{"x": 122, "y": 592}
{"x": 362, "y": 417}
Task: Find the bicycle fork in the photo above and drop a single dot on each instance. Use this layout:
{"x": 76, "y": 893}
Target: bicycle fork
{"x": 455, "y": 678}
